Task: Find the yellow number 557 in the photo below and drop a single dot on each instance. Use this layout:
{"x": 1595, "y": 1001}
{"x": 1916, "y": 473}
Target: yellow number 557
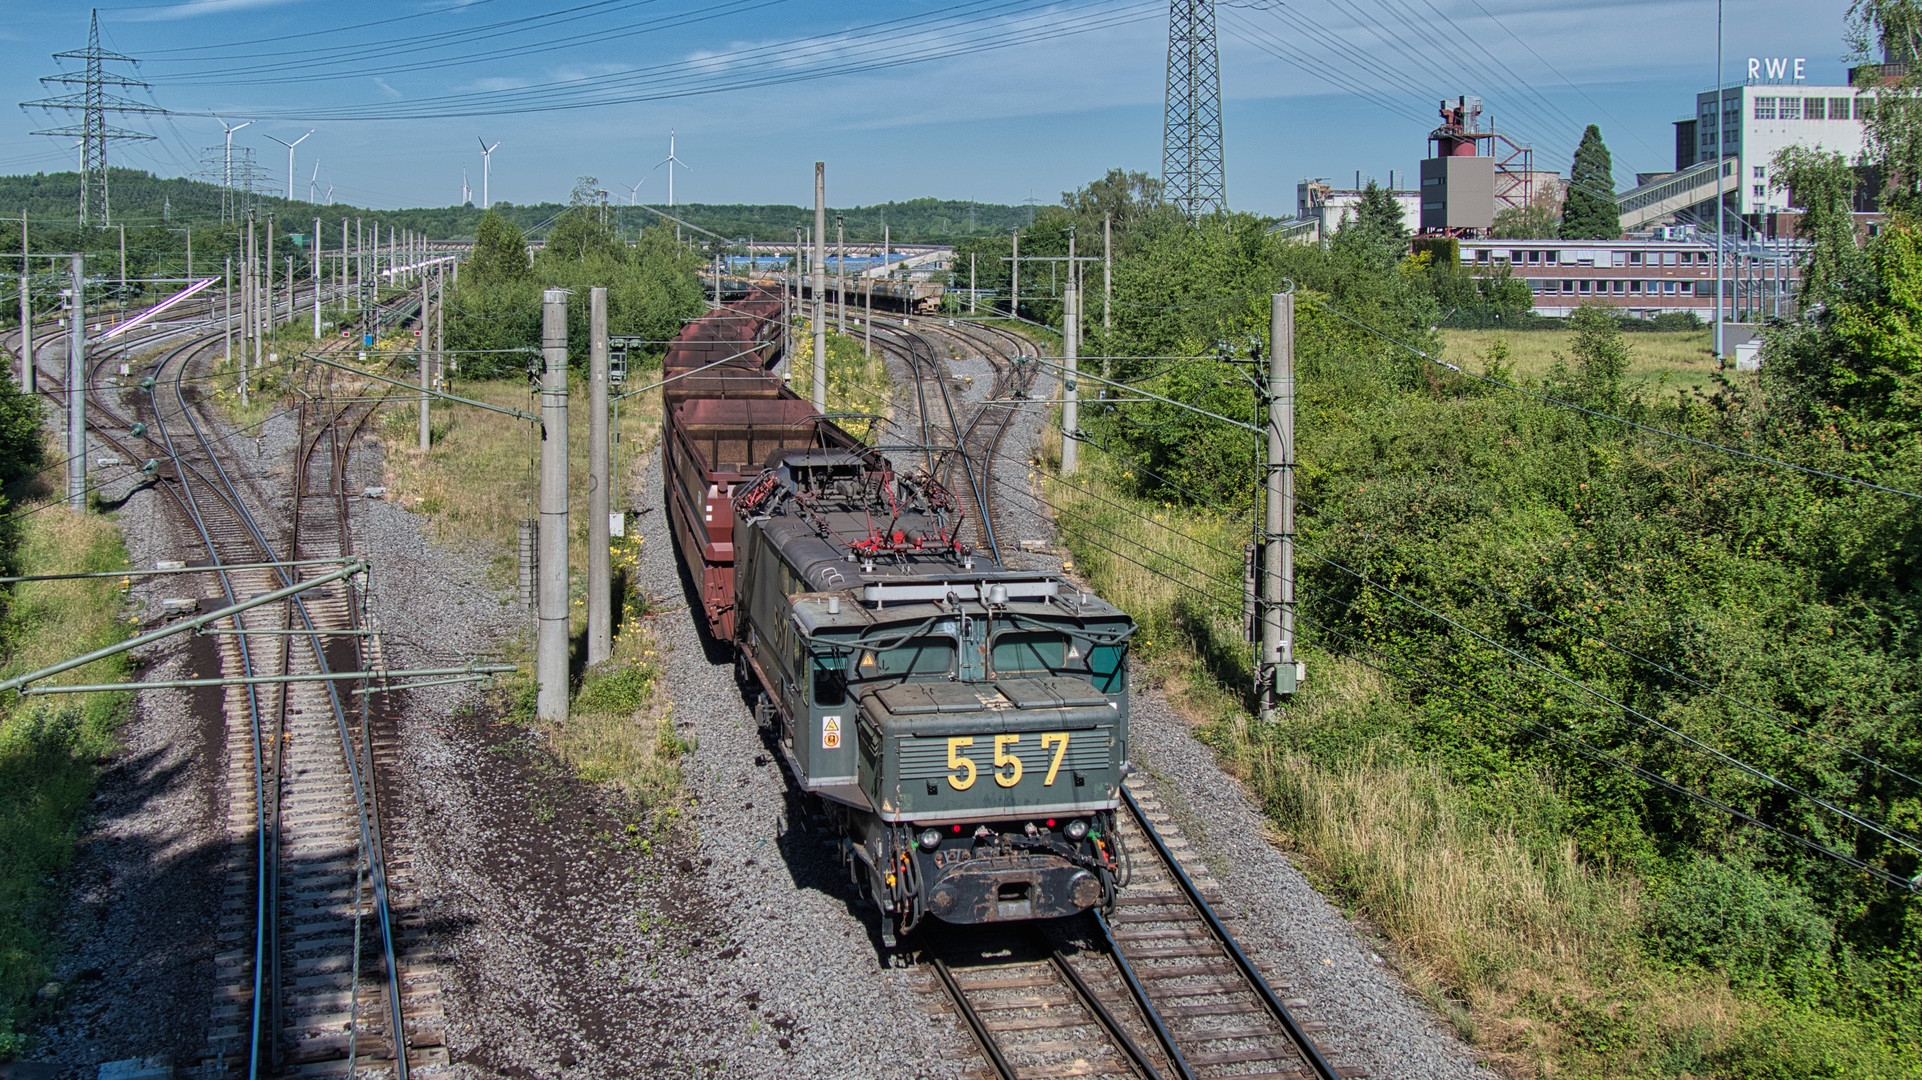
{"x": 963, "y": 777}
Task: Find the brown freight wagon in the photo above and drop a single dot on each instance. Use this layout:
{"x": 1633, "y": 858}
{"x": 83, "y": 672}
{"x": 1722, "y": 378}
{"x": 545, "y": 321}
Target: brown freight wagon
{"x": 723, "y": 423}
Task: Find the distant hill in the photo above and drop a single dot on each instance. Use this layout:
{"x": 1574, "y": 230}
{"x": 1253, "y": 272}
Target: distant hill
{"x": 140, "y": 198}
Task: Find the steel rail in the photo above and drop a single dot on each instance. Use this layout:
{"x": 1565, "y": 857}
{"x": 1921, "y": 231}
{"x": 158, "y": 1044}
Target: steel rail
{"x": 265, "y": 908}
{"x": 933, "y": 362}
{"x": 263, "y": 901}
{"x": 1140, "y": 994}
{"x": 1310, "y": 1053}
{"x": 1109, "y": 1024}
{"x": 361, "y": 784}
{"x": 990, "y": 1047}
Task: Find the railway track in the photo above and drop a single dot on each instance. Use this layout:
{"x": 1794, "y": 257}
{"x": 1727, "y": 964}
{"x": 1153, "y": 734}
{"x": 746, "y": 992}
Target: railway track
{"x": 315, "y": 975}
{"x": 973, "y": 434}
{"x": 1157, "y": 988}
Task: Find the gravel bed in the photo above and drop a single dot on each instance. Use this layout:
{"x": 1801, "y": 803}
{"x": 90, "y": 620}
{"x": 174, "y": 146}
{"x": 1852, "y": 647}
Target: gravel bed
{"x": 142, "y": 891}
{"x": 1375, "y": 1021}
{"x": 806, "y": 947}
{"x": 731, "y": 946}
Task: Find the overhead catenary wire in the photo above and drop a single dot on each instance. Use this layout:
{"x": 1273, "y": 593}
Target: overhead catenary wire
{"x": 958, "y": 32}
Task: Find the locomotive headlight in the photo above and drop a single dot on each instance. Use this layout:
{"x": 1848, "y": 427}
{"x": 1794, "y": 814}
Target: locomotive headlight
{"x": 931, "y": 839}
{"x": 1076, "y": 829}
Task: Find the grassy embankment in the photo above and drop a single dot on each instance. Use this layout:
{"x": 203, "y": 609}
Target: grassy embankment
{"x": 619, "y": 730}
{"x": 1535, "y": 956}
{"x": 475, "y": 485}
{"x": 1660, "y": 363}
{"x": 51, "y": 748}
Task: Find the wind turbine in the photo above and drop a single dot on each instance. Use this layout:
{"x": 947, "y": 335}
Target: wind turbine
{"x": 634, "y": 191}
{"x": 290, "y": 159}
{"x": 312, "y": 181}
{"x": 670, "y": 161}
{"x": 466, "y": 192}
{"x": 487, "y": 164}
{"x": 227, "y": 173}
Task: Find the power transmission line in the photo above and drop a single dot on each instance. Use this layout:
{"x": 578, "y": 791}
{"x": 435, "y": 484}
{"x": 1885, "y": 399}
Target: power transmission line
{"x": 1191, "y": 154}
{"x": 93, "y": 102}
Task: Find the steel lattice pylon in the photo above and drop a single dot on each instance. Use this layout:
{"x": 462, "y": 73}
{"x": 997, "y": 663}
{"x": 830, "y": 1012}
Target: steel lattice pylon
{"x": 1191, "y": 165}
{"x": 93, "y": 103}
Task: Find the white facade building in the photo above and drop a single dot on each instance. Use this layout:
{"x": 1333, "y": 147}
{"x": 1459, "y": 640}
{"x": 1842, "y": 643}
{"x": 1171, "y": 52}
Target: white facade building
{"x": 1756, "y": 120}
{"x": 1328, "y": 206}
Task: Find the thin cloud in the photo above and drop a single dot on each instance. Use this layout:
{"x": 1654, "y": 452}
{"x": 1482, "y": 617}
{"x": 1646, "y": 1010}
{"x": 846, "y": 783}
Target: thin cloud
{"x": 193, "y": 9}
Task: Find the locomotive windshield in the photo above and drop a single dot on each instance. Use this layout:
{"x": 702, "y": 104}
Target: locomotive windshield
{"x": 1030, "y": 653}
{"x": 915, "y": 658}
{"x": 830, "y": 682}
{"x": 1026, "y": 652}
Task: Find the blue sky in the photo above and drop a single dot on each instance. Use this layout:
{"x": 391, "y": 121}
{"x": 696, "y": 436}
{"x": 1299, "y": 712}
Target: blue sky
{"x": 997, "y": 100}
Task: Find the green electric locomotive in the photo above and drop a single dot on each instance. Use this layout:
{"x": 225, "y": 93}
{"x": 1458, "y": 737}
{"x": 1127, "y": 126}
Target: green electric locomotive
{"x": 964, "y": 725}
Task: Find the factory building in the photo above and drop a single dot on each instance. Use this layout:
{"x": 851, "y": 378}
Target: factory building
{"x": 1754, "y": 121}
{"x": 1322, "y": 208}
{"x": 1672, "y": 271}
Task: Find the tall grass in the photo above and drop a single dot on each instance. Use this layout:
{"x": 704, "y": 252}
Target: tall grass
{"x": 475, "y": 484}
{"x": 51, "y": 747}
{"x": 1533, "y": 955}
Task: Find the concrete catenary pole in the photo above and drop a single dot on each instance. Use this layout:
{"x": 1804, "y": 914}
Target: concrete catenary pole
{"x": 29, "y": 372}
{"x": 820, "y": 287}
{"x": 76, "y": 390}
{"x": 550, "y": 666}
{"x": 600, "y": 488}
{"x": 1070, "y": 394}
{"x": 1277, "y": 668}
{"x": 426, "y": 377}
{"x": 314, "y": 274}
{"x": 246, "y": 306}
{"x": 1014, "y": 277}
{"x": 227, "y": 328}
{"x": 841, "y": 273}
{"x": 268, "y": 308}
{"x": 1107, "y": 271}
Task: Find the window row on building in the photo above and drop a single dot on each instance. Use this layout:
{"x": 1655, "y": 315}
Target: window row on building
{"x": 1620, "y": 287}
{"x": 1591, "y": 257}
{"x": 1812, "y": 108}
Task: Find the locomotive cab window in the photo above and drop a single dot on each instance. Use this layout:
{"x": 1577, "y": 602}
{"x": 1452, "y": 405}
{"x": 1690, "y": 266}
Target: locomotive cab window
{"x": 830, "y": 682}
{"x": 916, "y": 658}
{"x": 1025, "y": 652}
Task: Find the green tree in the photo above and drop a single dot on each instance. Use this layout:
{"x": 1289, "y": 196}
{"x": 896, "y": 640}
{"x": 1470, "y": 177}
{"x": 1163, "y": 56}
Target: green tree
{"x": 1376, "y": 234}
{"x": 1892, "y": 128}
{"x": 22, "y": 451}
{"x": 1540, "y": 218}
{"x": 584, "y": 232}
{"x": 500, "y": 252}
{"x": 1600, "y": 354}
{"x": 1380, "y": 214}
{"x": 1822, "y": 185}
{"x": 1125, "y": 197}
{"x": 1589, "y": 212}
